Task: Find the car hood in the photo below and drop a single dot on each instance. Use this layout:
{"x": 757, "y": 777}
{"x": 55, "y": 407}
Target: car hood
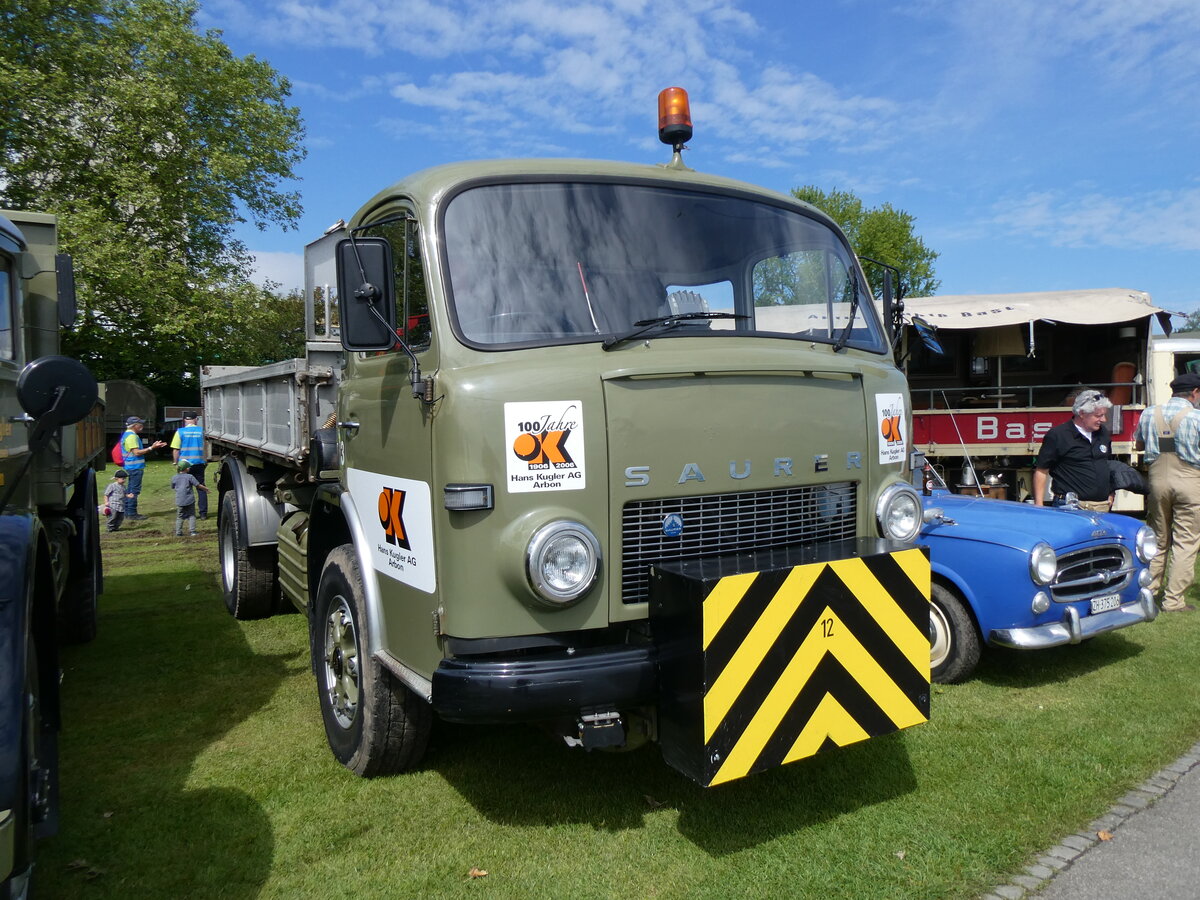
{"x": 1021, "y": 525}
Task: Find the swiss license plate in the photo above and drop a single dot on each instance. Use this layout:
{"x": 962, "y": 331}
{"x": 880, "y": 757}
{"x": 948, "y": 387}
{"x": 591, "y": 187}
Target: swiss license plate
{"x": 1108, "y": 601}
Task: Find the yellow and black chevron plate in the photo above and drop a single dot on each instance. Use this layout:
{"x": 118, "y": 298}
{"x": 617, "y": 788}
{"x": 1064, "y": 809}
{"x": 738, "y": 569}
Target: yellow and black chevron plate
{"x": 798, "y": 660}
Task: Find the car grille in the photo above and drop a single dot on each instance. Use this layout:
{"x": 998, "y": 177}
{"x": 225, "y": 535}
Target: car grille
{"x": 717, "y": 524}
{"x": 1091, "y": 572}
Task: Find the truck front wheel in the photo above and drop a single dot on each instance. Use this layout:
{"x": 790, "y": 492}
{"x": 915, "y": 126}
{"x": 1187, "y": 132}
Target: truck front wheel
{"x": 954, "y": 642}
{"x": 375, "y": 725}
{"x": 247, "y": 573}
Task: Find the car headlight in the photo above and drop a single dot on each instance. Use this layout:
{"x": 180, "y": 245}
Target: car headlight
{"x": 1146, "y": 544}
{"x": 1043, "y": 563}
{"x": 898, "y": 513}
{"x": 562, "y": 561}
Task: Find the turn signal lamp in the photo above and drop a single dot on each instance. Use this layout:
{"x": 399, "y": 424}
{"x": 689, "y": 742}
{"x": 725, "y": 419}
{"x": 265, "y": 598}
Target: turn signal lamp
{"x": 674, "y": 116}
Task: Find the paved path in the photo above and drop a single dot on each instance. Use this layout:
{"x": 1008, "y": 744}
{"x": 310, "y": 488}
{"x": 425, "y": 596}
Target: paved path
{"x": 1153, "y": 852}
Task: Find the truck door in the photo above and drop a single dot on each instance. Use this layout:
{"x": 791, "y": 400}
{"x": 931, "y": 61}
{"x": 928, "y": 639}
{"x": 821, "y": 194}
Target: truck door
{"x": 389, "y": 457}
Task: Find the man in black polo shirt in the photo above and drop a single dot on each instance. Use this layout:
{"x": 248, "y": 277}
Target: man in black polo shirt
{"x": 1076, "y": 454}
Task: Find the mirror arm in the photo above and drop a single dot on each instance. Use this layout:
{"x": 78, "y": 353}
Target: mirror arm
{"x": 44, "y": 427}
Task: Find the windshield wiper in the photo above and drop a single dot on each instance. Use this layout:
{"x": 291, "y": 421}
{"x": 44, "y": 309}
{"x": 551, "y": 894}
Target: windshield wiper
{"x": 663, "y": 323}
{"x": 845, "y": 335}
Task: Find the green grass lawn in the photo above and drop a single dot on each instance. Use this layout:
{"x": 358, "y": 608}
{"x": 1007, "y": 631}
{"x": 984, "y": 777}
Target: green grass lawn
{"x": 194, "y": 764}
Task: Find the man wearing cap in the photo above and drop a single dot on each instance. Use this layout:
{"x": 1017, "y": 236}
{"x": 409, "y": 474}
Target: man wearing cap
{"x": 188, "y": 446}
{"x": 134, "y": 450}
{"x": 1076, "y": 454}
{"x": 1170, "y": 435}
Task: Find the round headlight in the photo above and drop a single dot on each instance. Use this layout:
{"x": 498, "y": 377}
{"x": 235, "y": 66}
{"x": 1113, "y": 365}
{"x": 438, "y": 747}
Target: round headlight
{"x": 898, "y": 513}
{"x": 1146, "y": 544}
{"x": 1043, "y": 563}
{"x": 562, "y": 561}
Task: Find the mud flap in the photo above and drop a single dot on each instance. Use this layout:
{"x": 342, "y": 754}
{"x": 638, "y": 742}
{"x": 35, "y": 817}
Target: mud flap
{"x": 774, "y": 656}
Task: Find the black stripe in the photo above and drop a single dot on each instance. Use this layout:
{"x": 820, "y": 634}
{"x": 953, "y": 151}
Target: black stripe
{"x": 877, "y": 642}
{"x": 748, "y": 610}
{"x": 900, "y": 587}
{"x": 829, "y": 678}
{"x": 770, "y": 670}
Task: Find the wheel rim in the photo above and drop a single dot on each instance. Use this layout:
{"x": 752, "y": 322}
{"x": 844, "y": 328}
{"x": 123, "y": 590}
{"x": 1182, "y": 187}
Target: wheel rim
{"x": 228, "y": 556}
{"x": 341, "y": 663}
{"x": 939, "y": 636}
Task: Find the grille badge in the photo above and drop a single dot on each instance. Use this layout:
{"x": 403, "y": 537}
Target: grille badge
{"x": 672, "y": 525}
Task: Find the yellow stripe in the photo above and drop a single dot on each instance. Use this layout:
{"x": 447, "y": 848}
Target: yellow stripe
{"x": 749, "y": 655}
{"x": 723, "y": 599}
{"x": 884, "y": 609}
{"x": 916, "y": 566}
{"x": 858, "y": 663}
{"x": 829, "y": 720}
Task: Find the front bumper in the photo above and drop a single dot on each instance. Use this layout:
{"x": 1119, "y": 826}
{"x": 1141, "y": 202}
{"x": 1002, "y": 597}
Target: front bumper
{"x": 545, "y": 686}
{"x": 1075, "y": 628}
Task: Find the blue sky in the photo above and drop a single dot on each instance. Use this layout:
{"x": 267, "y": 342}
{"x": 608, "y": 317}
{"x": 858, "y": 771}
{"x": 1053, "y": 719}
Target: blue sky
{"x": 1040, "y": 144}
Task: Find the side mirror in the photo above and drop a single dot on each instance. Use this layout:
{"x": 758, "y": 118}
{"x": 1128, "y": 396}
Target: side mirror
{"x": 57, "y": 390}
{"x": 366, "y": 294}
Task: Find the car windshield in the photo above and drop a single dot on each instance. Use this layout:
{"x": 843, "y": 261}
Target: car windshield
{"x": 564, "y": 262}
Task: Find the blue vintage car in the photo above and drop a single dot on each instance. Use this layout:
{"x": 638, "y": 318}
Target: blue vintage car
{"x": 1015, "y": 575}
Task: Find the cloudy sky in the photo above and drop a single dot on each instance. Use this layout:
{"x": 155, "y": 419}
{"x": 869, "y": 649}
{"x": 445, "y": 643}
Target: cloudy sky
{"x": 1040, "y": 144}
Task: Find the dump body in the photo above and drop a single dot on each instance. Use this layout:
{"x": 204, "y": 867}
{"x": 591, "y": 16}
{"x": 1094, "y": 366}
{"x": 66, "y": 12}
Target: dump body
{"x": 585, "y": 371}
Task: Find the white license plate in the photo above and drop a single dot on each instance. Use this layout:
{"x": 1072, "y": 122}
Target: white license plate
{"x": 1109, "y": 601}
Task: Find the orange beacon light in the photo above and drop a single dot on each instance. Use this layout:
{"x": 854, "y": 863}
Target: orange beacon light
{"x": 674, "y": 117}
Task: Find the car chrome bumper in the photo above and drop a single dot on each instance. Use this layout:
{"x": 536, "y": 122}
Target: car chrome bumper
{"x": 1075, "y": 628}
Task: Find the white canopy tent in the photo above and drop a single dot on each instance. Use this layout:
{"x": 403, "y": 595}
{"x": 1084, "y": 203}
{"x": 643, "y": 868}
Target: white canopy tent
{"x": 1090, "y": 307}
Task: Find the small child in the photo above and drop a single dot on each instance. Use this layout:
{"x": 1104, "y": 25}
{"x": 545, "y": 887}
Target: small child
{"x": 185, "y": 500}
{"x": 114, "y": 499}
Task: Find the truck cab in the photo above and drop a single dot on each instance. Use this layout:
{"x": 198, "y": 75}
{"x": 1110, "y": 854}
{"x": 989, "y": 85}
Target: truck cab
{"x": 592, "y": 444}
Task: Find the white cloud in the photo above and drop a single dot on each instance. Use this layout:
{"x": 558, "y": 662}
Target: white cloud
{"x": 284, "y": 269}
{"x": 1160, "y": 219}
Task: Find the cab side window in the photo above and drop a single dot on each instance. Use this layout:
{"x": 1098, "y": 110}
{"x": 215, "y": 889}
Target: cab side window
{"x": 412, "y": 301}
{"x": 7, "y": 348}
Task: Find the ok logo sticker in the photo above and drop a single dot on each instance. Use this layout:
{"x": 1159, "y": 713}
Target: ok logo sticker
{"x": 545, "y": 449}
{"x": 391, "y": 517}
{"x": 890, "y": 427}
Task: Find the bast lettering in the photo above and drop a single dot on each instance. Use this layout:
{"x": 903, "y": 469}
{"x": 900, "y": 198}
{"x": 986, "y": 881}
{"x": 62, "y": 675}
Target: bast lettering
{"x": 391, "y": 517}
{"x": 987, "y": 428}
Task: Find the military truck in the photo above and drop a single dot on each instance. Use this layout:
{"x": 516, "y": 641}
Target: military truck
{"x": 51, "y": 442}
{"x": 617, "y": 448}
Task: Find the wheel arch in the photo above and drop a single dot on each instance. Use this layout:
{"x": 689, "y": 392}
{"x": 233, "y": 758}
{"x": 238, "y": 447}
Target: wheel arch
{"x": 258, "y": 513}
{"x": 335, "y": 521}
{"x": 952, "y": 583}
{"x": 27, "y": 600}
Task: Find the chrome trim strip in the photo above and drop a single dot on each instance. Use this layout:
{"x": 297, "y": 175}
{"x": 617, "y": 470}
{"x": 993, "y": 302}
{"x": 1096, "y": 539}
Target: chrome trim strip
{"x": 418, "y": 684}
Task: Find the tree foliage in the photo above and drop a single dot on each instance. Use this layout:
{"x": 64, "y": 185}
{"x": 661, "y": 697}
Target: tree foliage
{"x": 151, "y": 141}
{"x": 883, "y": 233}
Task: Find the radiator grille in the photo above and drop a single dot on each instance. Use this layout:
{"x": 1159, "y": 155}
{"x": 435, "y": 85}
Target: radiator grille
{"x": 717, "y": 524}
{"x": 1091, "y": 572}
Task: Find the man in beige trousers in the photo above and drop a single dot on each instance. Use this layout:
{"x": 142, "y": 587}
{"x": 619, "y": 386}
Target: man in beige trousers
{"x": 1170, "y": 435}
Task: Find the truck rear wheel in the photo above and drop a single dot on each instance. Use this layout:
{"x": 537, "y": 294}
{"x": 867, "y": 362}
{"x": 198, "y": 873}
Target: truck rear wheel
{"x": 77, "y": 613}
{"x": 248, "y": 580}
{"x": 954, "y": 642}
{"x": 374, "y": 724}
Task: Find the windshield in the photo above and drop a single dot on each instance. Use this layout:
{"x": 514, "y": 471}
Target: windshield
{"x": 552, "y": 263}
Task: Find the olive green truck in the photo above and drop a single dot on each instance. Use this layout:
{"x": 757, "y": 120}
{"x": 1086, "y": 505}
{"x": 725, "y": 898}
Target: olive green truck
{"x": 620, "y": 449}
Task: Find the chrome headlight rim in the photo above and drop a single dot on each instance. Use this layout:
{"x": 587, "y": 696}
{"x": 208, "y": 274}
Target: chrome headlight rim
{"x": 888, "y": 507}
{"x": 1043, "y": 564}
{"x": 543, "y": 541}
{"x": 1146, "y": 544}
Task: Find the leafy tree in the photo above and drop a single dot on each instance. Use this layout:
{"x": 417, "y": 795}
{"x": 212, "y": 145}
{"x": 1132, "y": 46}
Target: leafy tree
{"x": 883, "y": 233}
{"x": 152, "y": 142}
